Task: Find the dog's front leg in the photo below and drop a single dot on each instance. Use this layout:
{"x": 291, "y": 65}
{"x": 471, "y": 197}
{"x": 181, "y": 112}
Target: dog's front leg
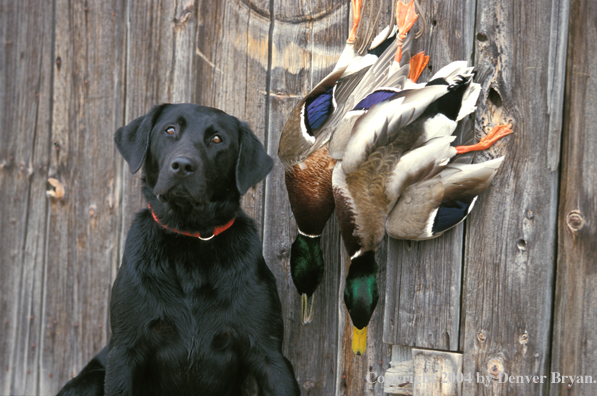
{"x": 120, "y": 372}
{"x": 273, "y": 371}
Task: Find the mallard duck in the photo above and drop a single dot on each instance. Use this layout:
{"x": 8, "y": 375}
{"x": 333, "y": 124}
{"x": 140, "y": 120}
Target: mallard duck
{"x": 303, "y": 149}
{"x": 397, "y": 161}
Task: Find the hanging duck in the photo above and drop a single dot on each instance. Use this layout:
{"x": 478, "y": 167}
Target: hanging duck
{"x": 395, "y": 162}
{"x": 303, "y": 149}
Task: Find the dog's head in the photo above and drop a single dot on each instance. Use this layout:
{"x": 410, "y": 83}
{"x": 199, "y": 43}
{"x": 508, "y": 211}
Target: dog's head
{"x": 193, "y": 156}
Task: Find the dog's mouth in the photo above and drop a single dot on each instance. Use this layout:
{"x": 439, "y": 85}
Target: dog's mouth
{"x": 181, "y": 197}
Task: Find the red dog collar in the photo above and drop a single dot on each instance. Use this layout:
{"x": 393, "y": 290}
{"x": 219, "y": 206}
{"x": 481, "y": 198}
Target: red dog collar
{"x": 217, "y": 230}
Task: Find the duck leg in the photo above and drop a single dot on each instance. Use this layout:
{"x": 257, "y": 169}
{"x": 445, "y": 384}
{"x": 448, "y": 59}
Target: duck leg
{"x": 356, "y": 18}
{"x": 496, "y": 134}
{"x": 405, "y": 19}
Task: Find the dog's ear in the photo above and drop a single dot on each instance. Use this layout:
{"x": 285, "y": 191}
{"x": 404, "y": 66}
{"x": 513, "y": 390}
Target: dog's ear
{"x": 132, "y": 140}
{"x": 253, "y": 163}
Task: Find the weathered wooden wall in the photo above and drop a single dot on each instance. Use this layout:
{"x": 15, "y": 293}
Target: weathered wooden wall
{"x": 512, "y": 290}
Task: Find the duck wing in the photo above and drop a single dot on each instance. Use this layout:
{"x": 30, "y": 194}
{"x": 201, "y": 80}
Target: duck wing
{"x": 430, "y": 207}
{"x": 305, "y": 130}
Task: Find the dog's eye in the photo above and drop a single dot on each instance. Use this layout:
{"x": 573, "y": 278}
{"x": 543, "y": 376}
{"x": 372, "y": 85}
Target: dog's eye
{"x": 170, "y": 130}
{"x": 216, "y": 139}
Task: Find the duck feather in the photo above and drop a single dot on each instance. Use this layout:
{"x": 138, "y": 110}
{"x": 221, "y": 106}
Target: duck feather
{"x": 428, "y": 208}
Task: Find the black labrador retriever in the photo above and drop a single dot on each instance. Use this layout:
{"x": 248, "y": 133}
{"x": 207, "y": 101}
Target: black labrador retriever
{"x": 194, "y": 307}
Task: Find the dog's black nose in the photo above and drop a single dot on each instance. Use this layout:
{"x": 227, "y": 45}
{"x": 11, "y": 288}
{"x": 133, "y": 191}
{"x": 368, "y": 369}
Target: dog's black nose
{"x": 182, "y": 166}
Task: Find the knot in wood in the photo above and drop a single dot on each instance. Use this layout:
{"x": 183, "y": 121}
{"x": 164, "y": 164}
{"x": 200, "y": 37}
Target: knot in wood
{"x": 481, "y": 337}
{"x": 575, "y": 220}
{"x": 495, "y": 368}
{"x": 524, "y": 338}
{"x": 307, "y": 385}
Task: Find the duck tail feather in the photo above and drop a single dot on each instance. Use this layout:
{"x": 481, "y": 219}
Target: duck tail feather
{"x": 469, "y": 100}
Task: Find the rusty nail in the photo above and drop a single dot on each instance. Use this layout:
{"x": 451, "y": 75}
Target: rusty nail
{"x": 33, "y": 345}
{"x": 100, "y": 325}
{"x": 76, "y": 324}
{"x": 55, "y": 321}
{"x": 28, "y": 371}
{"x": 298, "y": 352}
{"x": 31, "y": 317}
{"x": 7, "y": 321}
{"x": 6, "y": 368}
{"x": 343, "y": 376}
{"x": 50, "y": 375}
{"x": 570, "y": 385}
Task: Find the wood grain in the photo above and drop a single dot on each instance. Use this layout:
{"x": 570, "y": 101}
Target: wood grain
{"x": 83, "y": 233}
{"x": 302, "y": 53}
{"x": 424, "y": 278}
{"x": 436, "y": 373}
{"x": 510, "y": 236}
{"x": 72, "y": 72}
{"x": 160, "y": 55}
{"x": 26, "y": 66}
{"x": 574, "y": 351}
{"x": 231, "y": 72}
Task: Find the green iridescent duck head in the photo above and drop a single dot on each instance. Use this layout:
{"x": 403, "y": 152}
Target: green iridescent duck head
{"x": 360, "y": 296}
{"x": 306, "y": 269}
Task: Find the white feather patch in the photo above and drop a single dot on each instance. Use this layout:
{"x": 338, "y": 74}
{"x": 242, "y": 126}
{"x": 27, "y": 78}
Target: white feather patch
{"x": 428, "y": 233}
{"x": 472, "y": 205}
{"x": 436, "y": 126}
{"x": 469, "y": 100}
{"x": 308, "y": 235}
{"x": 305, "y": 134}
{"x": 380, "y": 38}
{"x": 357, "y": 254}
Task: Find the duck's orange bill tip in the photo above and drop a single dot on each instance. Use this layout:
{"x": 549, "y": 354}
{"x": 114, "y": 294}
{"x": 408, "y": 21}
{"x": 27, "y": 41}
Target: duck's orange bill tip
{"x": 405, "y": 17}
{"x": 496, "y": 134}
{"x": 417, "y": 65}
{"x": 359, "y": 340}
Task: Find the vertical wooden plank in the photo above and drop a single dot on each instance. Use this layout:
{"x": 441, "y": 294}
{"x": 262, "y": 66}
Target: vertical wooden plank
{"x": 354, "y": 370}
{"x": 436, "y": 373}
{"x": 83, "y": 234}
{"x": 160, "y": 64}
{"x": 424, "y": 278}
{"x": 25, "y": 112}
{"x": 231, "y": 55}
{"x": 574, "y": 347}
{"x": 306, "y": 40}
{"x": 510, "y": 236}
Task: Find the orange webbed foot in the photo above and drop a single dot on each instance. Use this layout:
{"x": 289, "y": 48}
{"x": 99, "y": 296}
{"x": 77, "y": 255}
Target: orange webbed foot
{"x": 417, "y": 65}
{"x": 496, "y": 134}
